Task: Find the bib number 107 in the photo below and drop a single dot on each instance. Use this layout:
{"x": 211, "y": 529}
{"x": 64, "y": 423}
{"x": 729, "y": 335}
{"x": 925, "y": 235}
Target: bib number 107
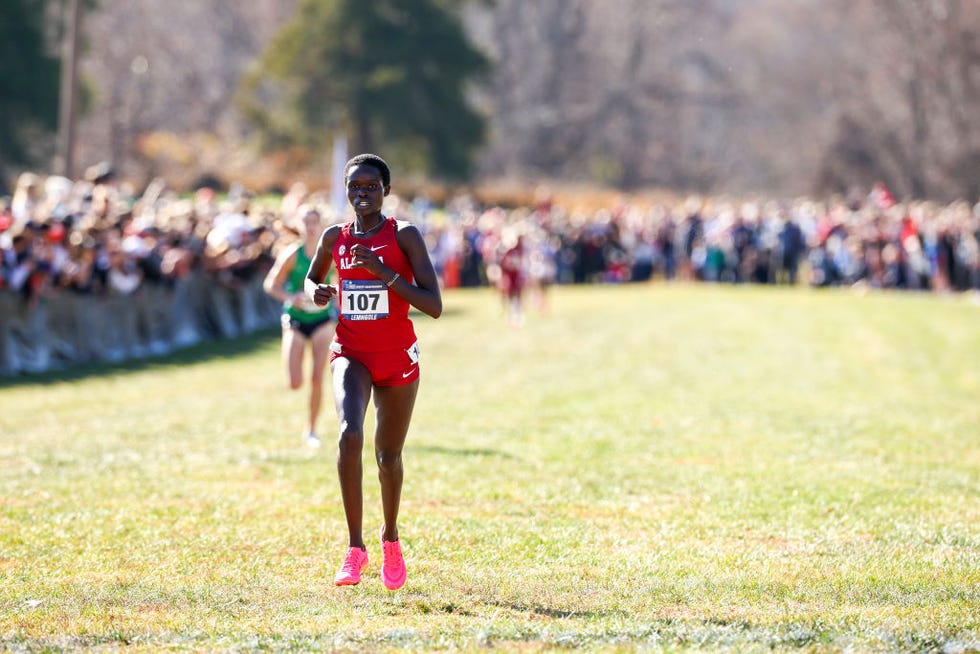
{"x": 364, "y": 300}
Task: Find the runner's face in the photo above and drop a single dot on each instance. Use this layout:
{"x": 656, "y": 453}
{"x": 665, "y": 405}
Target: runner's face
{"x": 365, "y": 190}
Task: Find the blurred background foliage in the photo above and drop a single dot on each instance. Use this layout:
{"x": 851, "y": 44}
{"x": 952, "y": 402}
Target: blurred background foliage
{"x": 775, "y": 96}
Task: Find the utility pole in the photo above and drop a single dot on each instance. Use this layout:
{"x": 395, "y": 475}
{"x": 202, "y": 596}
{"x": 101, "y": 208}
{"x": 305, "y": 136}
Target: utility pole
{"x": 68, "y": 97}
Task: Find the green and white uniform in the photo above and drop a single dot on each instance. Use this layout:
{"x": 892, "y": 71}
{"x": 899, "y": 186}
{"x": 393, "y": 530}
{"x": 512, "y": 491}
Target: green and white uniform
{"x": 309, "y": 312}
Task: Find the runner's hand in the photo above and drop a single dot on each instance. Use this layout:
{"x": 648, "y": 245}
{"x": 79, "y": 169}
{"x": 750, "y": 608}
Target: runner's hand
{"x": 365, "y": 257}
{"x": 323, "y": 293}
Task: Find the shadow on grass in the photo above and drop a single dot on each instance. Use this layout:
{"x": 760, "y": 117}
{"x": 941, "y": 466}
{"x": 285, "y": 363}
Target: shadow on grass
{"x": 449, "y": 451}
{"x": 215, "y": 349}
{"x": 549, "y": 612}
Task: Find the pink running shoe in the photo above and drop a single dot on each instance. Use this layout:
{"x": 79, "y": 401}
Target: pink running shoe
{"x": 350, "y": 572}
{"x": 393, "y": 572}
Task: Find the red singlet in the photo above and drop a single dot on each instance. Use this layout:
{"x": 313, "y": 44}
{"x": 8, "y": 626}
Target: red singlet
{"x": 373, "y": 318}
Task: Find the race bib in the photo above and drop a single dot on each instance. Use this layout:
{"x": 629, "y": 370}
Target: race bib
{"x": 362, "y": 299}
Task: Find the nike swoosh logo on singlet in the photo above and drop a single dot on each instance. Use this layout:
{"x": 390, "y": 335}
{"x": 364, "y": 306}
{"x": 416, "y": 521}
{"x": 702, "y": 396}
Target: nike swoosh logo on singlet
{"x": 376, "y": 248}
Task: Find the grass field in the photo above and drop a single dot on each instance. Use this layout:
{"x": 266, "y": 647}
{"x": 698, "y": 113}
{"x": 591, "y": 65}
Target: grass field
{"x": 663, "y": 467}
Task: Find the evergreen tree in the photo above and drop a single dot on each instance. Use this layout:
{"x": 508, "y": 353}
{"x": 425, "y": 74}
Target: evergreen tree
{"x": 391, "y": 74}
{"x": 29, "y": 80}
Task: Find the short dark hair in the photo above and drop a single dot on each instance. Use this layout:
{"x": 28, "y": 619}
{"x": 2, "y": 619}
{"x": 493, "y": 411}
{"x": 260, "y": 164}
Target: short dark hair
{"x": 371, "y": 160}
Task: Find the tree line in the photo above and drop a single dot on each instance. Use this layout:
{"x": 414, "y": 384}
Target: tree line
{"x": 810, "y": 96}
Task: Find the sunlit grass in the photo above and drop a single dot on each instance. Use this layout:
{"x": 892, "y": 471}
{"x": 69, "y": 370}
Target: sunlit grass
{"x": 657, "y": 466}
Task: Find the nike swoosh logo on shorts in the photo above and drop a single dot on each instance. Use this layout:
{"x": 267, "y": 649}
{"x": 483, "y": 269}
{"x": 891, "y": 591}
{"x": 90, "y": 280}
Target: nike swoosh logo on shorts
{"x": 409, "y": 373}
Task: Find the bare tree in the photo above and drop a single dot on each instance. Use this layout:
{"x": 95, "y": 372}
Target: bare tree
{"x": 773, "y": 95}
{"x": 167, "y": 66}
{"x": 908, "y": 108}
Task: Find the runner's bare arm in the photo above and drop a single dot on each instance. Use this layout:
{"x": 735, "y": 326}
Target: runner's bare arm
{"x": 424, "y": 295}
{"x": 320, "y": 266}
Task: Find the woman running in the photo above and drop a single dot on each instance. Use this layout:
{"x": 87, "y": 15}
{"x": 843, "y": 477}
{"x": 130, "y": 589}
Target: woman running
{"x": 303, "y": 323}
{"x": 383, "y": 267}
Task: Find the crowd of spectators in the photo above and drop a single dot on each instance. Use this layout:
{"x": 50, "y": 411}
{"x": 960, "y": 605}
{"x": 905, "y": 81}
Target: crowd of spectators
{"x": 868, "y": 241}
{"x": 98, "y": 237}
{"x": 91, "y": 271}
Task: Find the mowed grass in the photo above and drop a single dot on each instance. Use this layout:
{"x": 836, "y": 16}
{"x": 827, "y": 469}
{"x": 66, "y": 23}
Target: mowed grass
{"x": 653, "y": 466}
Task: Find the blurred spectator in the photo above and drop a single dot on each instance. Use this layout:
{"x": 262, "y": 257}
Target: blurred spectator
{"x": 27, "y": 196}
